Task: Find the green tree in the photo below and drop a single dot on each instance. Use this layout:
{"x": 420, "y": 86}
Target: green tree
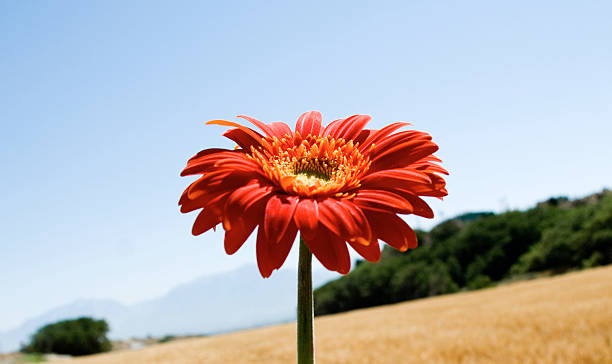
{"x": 81, "y": 336}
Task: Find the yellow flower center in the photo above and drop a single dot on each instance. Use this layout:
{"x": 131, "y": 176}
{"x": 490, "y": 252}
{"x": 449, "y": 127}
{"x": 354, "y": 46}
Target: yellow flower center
{"x": 312, "y": 166}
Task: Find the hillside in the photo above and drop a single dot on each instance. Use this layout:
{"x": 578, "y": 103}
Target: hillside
{"x": 562, "y": 319}
{"x": 478, "y": 250}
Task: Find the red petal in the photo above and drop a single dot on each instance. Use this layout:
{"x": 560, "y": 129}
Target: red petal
{"x": 392, "y": 229}
{"x": 429, "y": 164}
{"x": 205, "y": 159}
{"x": 244, "y": 140}
{"x": 408, "y": 144}
{"x": 383, "y": 201}
{"x": 263, "y": 126}
{"x": 395, "y": 176}
{"x": 330, "y": 250}
{"x": 280, "y": 129}
{"x": 378, "y": 135}
{"x": 238, "y": 235}
{"x": 206, "y": 152}
{"x": 270, "y": 254}
{"x": 279, "y": 215}
{"x": 403, "y": 157}
{"x": 208, "y": 187}
{"x": 363, "y": 136}
{"x": 255, "y": 135}
{"x": 306, "y": 217}
{"x": 370, "y": 252}
{"x": 433, "y": 158}
{"x": 206, "y": 220}
{"x": 421, "y": 208}
{"x": 401, "y": 149}
{"x": 360, "y": 219}
{"x": 243, "y": 226}
{"x": 309, "y": 123}
{"x": 233, "y": 159}
{"x": 336, "y": 219}
{"x": 351, "y": 127}
{"x": 437, "y": 181}
{"x": 386, "y": 144}
{"x": 429, "y": 192}
{"x": 332, "y": 127}
{"x": 243, "y": 198}
{"x": 208, "y": 200}
{"x": 406, "y": 183}
{"x": 344, "y": 219}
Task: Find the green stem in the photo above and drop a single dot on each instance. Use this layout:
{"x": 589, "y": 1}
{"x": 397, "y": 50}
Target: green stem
{"x": 305, "y": 313}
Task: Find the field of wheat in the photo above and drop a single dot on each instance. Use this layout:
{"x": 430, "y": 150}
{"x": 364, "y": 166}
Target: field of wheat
{"x": 563, "y": 319}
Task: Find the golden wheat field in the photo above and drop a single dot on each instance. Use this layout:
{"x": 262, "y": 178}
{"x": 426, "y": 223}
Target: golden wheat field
{"x": 563, "y": 319}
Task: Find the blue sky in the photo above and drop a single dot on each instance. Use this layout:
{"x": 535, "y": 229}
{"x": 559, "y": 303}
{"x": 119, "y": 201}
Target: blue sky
{"x": 102, "y": 102}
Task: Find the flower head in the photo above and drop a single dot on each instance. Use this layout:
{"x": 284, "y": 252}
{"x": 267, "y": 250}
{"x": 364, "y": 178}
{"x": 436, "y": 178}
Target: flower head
{"x": 337, "y": 184}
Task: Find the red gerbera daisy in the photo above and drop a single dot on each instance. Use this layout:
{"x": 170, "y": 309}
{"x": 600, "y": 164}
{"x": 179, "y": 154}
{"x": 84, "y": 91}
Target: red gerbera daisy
{"x": 336, "y": 185}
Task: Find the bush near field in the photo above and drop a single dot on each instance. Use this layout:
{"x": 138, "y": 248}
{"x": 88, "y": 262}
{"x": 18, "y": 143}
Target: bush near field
{"x": 81, "y": 336}
{"x": 476, "y": 250}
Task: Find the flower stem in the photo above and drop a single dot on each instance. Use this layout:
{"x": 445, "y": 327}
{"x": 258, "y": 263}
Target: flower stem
{"x": 305, "y": 313}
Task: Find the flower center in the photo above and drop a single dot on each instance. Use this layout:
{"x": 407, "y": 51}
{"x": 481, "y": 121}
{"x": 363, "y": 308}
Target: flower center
{"x": 314, "y": 169}
{"x": 312, "y": 166}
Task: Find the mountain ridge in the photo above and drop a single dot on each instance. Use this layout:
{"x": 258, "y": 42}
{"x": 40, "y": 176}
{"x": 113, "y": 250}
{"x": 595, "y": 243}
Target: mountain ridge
{"x": 204, "y": 305}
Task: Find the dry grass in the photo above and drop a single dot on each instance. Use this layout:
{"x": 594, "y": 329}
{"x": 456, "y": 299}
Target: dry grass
{"x": 564, "y": 319}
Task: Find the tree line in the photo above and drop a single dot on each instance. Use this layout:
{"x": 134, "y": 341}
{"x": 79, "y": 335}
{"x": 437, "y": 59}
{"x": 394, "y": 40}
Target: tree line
{"x": 477, "y": 250}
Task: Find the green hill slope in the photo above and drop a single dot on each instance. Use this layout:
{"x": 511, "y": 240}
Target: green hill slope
{"x": 478, "y": 249}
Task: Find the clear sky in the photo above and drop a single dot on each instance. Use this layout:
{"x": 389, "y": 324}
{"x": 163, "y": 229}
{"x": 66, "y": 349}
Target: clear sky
{"x": 102, "y": 103}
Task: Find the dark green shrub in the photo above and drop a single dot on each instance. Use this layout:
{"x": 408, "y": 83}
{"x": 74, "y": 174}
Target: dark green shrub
{"x": 82, "y": 336}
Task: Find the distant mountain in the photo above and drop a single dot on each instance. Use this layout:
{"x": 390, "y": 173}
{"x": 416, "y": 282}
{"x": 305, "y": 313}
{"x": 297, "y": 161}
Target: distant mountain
{"x": 234, "y": 300}
{"x": 110, "y": 310}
